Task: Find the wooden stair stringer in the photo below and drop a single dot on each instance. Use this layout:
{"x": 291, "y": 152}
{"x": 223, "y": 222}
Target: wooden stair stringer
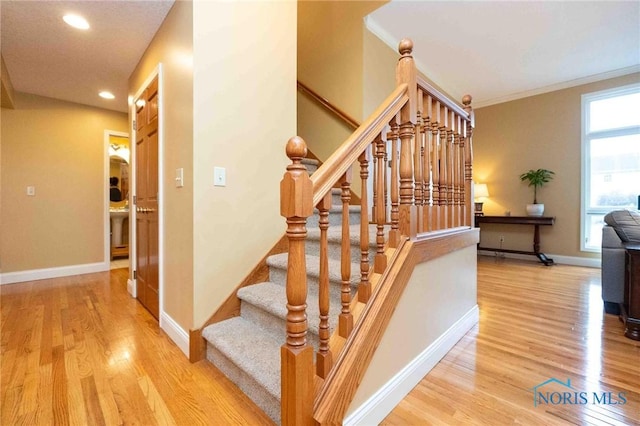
{"x": 371, "y": 320}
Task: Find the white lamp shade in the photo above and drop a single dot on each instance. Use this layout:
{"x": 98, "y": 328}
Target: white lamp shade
{"x": 480, "y": 191}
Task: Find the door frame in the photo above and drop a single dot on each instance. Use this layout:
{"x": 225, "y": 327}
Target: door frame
{"x": 132, "y": 285}
{"x": 107, "y": 218}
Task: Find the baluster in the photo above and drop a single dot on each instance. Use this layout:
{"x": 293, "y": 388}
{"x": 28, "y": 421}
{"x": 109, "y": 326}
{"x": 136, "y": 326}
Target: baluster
{"x": 394, "y": 233}
{"x": 418, "y": 160}
{"x": 345, "y": 322}
{"x": 380, "y": 261}
{"x": 451, "y": 170}
{"x": 324, "y": 358}
{"x": 364, "y": 288}
{"x": 374, "y": 202}
{"x": 406, "y": 212}
{"x": 427, "y": 194}
{"x": 459, "y": 170}
{"x": 296, "y": 195}
{"x": 435, "y": 164}
{"x": 463, "y": 190}
{"x": 444, "y": 184}
{"x": 468, "y": 160}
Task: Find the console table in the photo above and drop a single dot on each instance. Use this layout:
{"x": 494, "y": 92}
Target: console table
{"x": 630, "y": 309}
{"x": 536, "y": 221}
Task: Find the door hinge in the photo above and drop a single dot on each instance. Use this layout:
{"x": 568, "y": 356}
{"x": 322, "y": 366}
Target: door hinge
{"x": 135, "y": 274}
{"x": 135, "y": 200}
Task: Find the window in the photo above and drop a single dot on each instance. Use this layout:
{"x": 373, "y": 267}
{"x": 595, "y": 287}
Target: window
{"x": 610, "y": 158}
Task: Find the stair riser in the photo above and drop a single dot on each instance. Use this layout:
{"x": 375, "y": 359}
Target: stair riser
{"x": 334, "y": 250}
{"x": 335, "y": 219}
{"x": 279, "y": 276}
{"x": 263, "y": 399}
{"x": 276, "y": 326}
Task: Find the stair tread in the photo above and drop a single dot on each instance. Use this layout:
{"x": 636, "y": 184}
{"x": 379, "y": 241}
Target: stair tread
{"x": 250, "y": 348}
{"x": 311, "y": 161}
{"x": 272, "y": 298}
{"x": 313, "y": 267}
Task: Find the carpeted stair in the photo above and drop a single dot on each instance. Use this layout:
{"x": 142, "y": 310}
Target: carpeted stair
{"x": 247, "y": 348}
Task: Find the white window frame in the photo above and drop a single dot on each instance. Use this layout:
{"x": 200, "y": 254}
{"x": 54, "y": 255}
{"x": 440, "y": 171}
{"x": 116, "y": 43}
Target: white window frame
{"x": 587, "y": 136}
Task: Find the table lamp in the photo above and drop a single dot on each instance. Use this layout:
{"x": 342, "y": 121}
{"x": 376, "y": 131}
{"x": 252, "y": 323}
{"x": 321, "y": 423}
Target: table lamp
{"x": 480, "y": 194}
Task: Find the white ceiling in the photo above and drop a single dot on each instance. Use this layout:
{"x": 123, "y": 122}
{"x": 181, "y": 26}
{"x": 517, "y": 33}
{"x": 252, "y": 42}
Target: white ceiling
{"x": 45, "y": 56}
{"x": 494, "y": 50}
{"x": 502, "y": 50}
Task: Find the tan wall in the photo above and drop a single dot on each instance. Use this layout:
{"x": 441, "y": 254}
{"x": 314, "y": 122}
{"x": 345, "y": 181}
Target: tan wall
{"x": 330, "y": 61}
{"x": 59, "y": 148}
{"x": 439, "y": 293}
{"x": 536, "y": 132}
{"x": 244, "y": 112}
{"x": 173, "y": 47}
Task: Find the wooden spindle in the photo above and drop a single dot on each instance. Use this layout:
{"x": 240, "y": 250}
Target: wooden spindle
{"x": 428, "y": 192}
{"x": 407, "y": 214}
{"x": 444, "y": 184}
{"x": 435, "y": 164}
{"x": 380, "y": 261}
{"x": 392, "y": 137}
{"x": 374, "y": 202}
{"x": 418, "y": 160}
{"x": 451, "y": 170}
{"x": 459, "y": 177}
{"x": 324, "y": 358}
{"x": 296, "y": 195}
{"x": 364, "y": 288}
{"x": 345, "y": 321}
{"x": 468, "y": 160}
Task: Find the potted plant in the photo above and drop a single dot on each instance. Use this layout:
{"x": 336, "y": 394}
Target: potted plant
{"x": 537, "y": 179}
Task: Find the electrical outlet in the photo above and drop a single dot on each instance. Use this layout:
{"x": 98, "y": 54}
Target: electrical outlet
{"x": 501, "y": 238}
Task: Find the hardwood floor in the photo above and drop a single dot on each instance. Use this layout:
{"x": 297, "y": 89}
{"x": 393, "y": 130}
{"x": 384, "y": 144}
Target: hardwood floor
{"x": 79, "y": 350}
{"x": 536, "y": 323}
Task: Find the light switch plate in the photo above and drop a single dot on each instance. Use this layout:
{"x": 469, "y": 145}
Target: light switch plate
{"x": 31, "y": 191}
{"x": 219, "y": 176}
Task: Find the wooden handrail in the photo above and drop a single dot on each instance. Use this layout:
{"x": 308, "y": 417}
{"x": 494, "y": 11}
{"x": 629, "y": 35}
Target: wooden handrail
{"x": 437, "y": 94}
{"x": 338, "y": 163}
{"x": 352, "y": 122}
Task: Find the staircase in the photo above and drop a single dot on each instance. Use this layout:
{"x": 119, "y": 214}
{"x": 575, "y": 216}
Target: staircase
{"x": 253, "y": 361}
{"x": 414, "y": 153}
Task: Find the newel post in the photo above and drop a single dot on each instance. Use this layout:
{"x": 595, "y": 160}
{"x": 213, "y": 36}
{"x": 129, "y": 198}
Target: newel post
{"x": 406, "y": 73}
{"x": 296, "y": 204}
{"x": 468, "y": 162}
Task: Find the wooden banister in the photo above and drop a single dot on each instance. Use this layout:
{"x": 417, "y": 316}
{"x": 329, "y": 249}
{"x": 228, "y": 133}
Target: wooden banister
{"x": 419, "y": 143}
{"x": 350, "y": 121}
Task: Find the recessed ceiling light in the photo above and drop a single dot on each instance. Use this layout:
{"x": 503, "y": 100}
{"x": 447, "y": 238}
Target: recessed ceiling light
{"x": 76, "y": 21}
{"x": 106, "y": 95}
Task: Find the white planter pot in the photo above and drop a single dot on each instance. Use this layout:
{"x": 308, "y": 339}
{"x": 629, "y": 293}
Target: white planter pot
{"x": 535, "y": 209}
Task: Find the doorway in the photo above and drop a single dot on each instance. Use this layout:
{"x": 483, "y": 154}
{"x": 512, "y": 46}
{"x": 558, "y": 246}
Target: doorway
{"x": 116, "y": 220}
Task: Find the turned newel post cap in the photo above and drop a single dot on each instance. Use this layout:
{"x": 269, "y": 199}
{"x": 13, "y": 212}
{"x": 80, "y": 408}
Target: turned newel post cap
{"x": 405, "y": 47}
{"x": 466, "y": 100}
{"x": 296, "y": 148}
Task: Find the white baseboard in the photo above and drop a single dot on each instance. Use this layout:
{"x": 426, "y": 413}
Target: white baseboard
{"x": 131, "y": 287}
{"x": 179, "y": 336}
{"x": 589, "y": 262}
{"x": 376, "y": 408}
{"x": 43, "y": 274}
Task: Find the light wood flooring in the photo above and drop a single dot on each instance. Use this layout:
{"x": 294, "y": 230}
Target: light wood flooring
{"x": 536, "y": 323}
{"x": 80, "y": 351}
